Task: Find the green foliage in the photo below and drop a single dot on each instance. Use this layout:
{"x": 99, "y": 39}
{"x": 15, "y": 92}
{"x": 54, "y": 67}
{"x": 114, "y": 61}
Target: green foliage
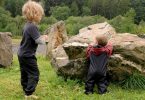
{"x": 16, "y": 26}
{"x": 135, "y": 81}
{"x": 5, "y": 19}
{"x": 141, "y": 28}
{"x": 60, "y": 13}
{"x": 14, "y": 6}
{"x": 43, "y": 27}
{"x": 86, "y": 11}
{"x": 47, "y": 4}
{"x": 74, "y": 24}
{"x": 1, "y": 2}
{"x": 109, "y": 8}
{"x": 139, "y": 6}
{"x": 48, "y": 20}
{"x": 9, "y": 24}
{"x": 74, "y": 9}
{"x": 123, "y": 24}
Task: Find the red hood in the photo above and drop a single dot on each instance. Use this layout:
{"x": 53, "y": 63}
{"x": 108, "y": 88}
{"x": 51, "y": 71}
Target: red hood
{"x": 108, "y": 49}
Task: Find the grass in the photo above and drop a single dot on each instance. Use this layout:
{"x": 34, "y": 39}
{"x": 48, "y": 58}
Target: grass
{"x": 52, "y": 87}
{"x": 16, "y": 41}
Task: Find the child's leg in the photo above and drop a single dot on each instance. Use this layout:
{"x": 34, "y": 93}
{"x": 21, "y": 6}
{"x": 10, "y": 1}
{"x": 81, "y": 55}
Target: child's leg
{"x": 90, "y": 81}
{"x": 33, "y": 75}
{"x": 24, "y": 76}
{"x": 102, "y": 86}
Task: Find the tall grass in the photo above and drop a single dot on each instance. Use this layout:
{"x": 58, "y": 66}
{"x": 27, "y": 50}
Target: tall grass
{"x": 135, "y": 81}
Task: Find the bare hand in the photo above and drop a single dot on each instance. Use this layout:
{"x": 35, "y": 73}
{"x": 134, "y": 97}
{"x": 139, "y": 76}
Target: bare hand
{"x": 92, "y": 44}
{"x": 45, "y": 37}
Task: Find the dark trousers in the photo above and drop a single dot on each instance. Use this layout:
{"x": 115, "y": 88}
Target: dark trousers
{"x": 97, "y": 74}
{"x": 100, "y": 81}
{"x": 29, "y": 74}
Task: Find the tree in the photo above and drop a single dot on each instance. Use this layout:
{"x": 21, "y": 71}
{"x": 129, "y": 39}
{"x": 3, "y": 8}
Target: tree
{"x": 74, "y": 9}
{"x": 60, "y": 13}
{"x": 14, "y": 6}
{"x": 139, "y": 6}
{"x": 86, "y": 11}
{"x": 5, "y": 18}
{"x": 50, "y": 3}
{"x": 109, "y": 8}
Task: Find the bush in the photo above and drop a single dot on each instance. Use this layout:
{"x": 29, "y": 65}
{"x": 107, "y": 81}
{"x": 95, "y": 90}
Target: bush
{"x": 48, "y": 20}
{"x": 5, "y": 19}
{"x": 74, "y": 24}
{"x": 60, "y": 13}
{"x": 86, "y": 11}
{"x": 141, "y": 28}
{"x": 43, "y": 27}
{"x": 16, "y": 26}
{"x": 123, "y": 24}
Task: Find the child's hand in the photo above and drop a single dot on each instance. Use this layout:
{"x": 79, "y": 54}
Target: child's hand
{"x": 45, "y": 37}
{"x": 92, "y": 44}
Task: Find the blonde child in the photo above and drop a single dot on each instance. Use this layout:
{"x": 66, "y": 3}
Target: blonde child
{"x": 33, "y": 12}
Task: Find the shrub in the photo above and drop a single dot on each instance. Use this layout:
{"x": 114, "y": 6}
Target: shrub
{"x": 48, "y": 20}
{"x": 123, "y": 24}
{"x": 141, "y": 28}
{"x": 60, "y": 13}
{"x": 16, "y": 26}
{"x": 43, "y": 27}
{"x": 74, "y": 24}
{"x": 86, "y": 11}
{"x": 5, "y": 19}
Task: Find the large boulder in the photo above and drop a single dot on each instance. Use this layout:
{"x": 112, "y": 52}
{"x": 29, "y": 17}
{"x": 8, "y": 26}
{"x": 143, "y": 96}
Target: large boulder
{"x": 128, "y": 57}
{"x": 6, "y": 54}
{"x": 92, "y": 31}
{"x": 57, "y": 36}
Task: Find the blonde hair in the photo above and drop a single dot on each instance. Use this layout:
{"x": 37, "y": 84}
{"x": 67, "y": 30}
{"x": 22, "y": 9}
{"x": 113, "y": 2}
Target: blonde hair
{"x": 102, "y": 40}
{"x": 32, "y": 11}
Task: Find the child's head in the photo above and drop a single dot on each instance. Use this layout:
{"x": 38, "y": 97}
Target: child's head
{"x": 101, "y": 40}
{"x": 32, "y": 11}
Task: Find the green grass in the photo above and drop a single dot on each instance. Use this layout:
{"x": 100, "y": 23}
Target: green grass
{"x": 16, "y": 41}
{"x": 52, "y": 87}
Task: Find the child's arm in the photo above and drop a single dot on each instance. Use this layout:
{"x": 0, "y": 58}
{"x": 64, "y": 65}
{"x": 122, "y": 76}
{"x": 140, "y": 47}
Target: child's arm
{"x": 35, "y": 35}
{"x": 109, "y": 49}
{"x": 42, "y": 39}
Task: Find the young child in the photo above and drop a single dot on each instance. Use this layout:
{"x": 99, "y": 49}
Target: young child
{"x": 97, "y": 56}
{"x": 33, "y": 12}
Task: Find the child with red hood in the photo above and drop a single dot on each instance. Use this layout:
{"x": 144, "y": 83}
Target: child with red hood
{"x": 98, "y": 55}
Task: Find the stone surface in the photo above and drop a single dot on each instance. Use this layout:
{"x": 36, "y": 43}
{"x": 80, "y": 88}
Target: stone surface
{"x": 92, "y": 31}
{"x": 6, "y": 54}
{"x": 128, "y": 57}
{"x": 57, "y": 35}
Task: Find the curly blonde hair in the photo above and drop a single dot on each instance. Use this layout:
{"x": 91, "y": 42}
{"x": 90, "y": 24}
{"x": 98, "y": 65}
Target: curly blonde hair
{"x": 32, "y": 11}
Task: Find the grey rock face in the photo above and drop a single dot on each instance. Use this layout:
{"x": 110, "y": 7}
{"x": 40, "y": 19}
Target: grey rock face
{"x": 6, "y": 54}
